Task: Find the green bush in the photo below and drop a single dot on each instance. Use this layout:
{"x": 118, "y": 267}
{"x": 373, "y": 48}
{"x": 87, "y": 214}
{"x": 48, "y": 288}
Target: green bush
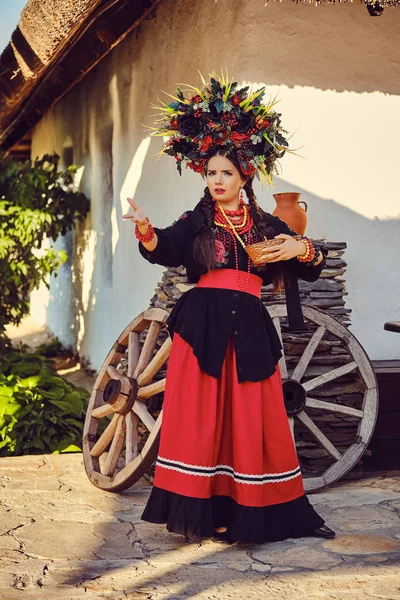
{"x": 37, "y": 202}
{"x": 53, "y": 348}
{"x": 39, "y": 411}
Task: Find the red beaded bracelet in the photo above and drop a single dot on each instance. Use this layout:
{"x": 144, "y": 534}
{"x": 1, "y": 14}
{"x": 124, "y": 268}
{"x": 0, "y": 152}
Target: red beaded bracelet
{"x": 309, "y": 255}
{"x": 145, "y": 238}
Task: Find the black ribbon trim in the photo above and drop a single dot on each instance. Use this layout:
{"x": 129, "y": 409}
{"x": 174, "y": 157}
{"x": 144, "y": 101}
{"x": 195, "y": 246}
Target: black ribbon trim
{"x": 227, "y": 471}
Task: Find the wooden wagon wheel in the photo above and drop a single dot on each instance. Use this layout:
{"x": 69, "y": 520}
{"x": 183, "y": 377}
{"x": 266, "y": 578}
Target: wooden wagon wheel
{"x": 299, "y": 389}
{"x": 124, "y": 396}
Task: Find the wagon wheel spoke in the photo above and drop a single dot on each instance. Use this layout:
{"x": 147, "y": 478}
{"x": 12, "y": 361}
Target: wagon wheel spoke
{"x": 150, "y": 390}
{"x": 141, "y": 411}
{"x": 102, "y": 411}
{"x": 133, "y": 352}
{"x": 131, "y": 441}
{"x": 105, "y": 439}
{"x": 113, "y": 373}
{"x": 148, "y": 348}
{"x": 282, "y": 361}
{"x": 334, "y": 374}
{"x": 116, "y": 447}
{"x": 317, "y": 433}
{"x": 291, "y": 425}
{"x": 155, "y": 364}
{"x": 308, "y": 353}
{"x": 335, "y": 408}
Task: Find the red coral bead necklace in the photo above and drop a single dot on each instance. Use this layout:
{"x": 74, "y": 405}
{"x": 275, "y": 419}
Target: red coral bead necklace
{"x": 221, "y": 219}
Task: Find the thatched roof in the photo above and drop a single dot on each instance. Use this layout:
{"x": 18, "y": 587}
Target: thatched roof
{"x": 56, "y": 43}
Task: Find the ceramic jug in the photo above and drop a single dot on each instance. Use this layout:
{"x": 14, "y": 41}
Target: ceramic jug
{"x": 289, "y": 210}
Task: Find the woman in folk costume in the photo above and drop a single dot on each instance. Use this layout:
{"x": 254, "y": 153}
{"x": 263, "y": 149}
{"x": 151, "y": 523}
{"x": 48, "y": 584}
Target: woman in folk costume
{"x": 227, "y": 466}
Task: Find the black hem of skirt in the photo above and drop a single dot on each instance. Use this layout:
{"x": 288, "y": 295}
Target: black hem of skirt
{"x": 198, "y": 517}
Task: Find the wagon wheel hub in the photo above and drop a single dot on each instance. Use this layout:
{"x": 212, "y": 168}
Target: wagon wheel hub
{"x": 120, "y": 394}
{"x": 111, "y": 391}
{"x": 294, "y": 395}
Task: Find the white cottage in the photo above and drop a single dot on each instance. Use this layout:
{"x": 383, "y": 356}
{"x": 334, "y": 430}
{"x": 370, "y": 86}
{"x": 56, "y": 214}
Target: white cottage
{"x": 79, "y": 81}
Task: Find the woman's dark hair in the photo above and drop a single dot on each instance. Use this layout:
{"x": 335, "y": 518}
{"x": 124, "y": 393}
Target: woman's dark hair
{"x": 204, "y": 245}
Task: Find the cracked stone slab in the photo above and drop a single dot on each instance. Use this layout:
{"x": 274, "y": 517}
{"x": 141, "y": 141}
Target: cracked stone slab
{"x": 67, "y": 573}
{"x": 22, "y": 505}
{"x": 349, "y": 494}
{"x": 11, "y": 520}
{"x": 309, "y": 558}
{"x": 10, "y": 552}
{"x": 65, "y": 539}
{"x": 30, "y": 577}
{"x": 357, "y": 544}
{"x": 157, "y": 538}
{"x": 11, "y": 464}
{"x": 364, "y": 518}
{"x": 206, "y": 554}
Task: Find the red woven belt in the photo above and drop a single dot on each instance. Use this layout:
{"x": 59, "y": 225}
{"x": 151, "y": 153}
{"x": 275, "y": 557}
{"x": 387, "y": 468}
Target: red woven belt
{"x": 228, "y": 279}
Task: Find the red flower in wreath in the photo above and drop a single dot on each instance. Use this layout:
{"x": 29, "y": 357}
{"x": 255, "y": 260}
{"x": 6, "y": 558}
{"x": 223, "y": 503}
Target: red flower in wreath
{"x": 198, "y": 166}
{"x": 206, "y": 143}
{"x": 247, "y": 168}
{"x": 238, "y": 138}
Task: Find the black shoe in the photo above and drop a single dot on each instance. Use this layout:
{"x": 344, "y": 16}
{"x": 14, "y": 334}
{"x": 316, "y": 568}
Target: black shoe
{"x": 193, "y": 539}
{"x": 323, "y": 532}
{"x": 221, "y": 537}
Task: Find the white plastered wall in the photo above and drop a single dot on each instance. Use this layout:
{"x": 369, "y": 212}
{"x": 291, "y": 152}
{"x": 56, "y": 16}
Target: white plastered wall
{"x": 337, "y": 73}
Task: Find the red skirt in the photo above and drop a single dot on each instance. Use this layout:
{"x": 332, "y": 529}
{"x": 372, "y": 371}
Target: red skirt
{"x": 227, "y": 456}
{"x": 222, "y": 438}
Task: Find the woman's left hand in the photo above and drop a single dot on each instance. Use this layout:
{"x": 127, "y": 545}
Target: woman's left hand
{"x": 289, "y": 249}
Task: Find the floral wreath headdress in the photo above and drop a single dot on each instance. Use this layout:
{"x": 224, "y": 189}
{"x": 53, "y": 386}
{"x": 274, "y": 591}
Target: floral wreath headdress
{"x": 222, "y": 114}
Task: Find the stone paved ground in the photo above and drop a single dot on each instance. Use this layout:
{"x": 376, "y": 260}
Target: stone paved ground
{"x": 63, "y": 539}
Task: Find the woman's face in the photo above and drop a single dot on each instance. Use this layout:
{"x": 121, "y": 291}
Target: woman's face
{"x": 224, "y": 180}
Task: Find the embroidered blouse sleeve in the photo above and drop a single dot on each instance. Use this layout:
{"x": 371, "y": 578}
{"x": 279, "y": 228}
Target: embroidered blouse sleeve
{"x": 172, "y": 242}
{"x": 301, "y": 270}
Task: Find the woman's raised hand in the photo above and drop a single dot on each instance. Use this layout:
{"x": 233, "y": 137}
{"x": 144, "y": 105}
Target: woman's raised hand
{"x": 138, "y": 216}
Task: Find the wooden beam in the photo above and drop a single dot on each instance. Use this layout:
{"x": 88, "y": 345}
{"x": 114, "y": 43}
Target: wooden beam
{"x": 80, "y": 51}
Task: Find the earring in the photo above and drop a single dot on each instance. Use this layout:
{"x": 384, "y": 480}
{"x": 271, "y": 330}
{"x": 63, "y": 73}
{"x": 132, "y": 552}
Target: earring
{"x": 241, "y": 199}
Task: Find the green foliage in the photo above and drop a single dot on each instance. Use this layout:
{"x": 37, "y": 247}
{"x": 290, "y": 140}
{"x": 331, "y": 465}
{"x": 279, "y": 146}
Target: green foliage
{"x": 39, "y": 411}
{"x": 37, "y": 202}
{"x": 53, "y": 348}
